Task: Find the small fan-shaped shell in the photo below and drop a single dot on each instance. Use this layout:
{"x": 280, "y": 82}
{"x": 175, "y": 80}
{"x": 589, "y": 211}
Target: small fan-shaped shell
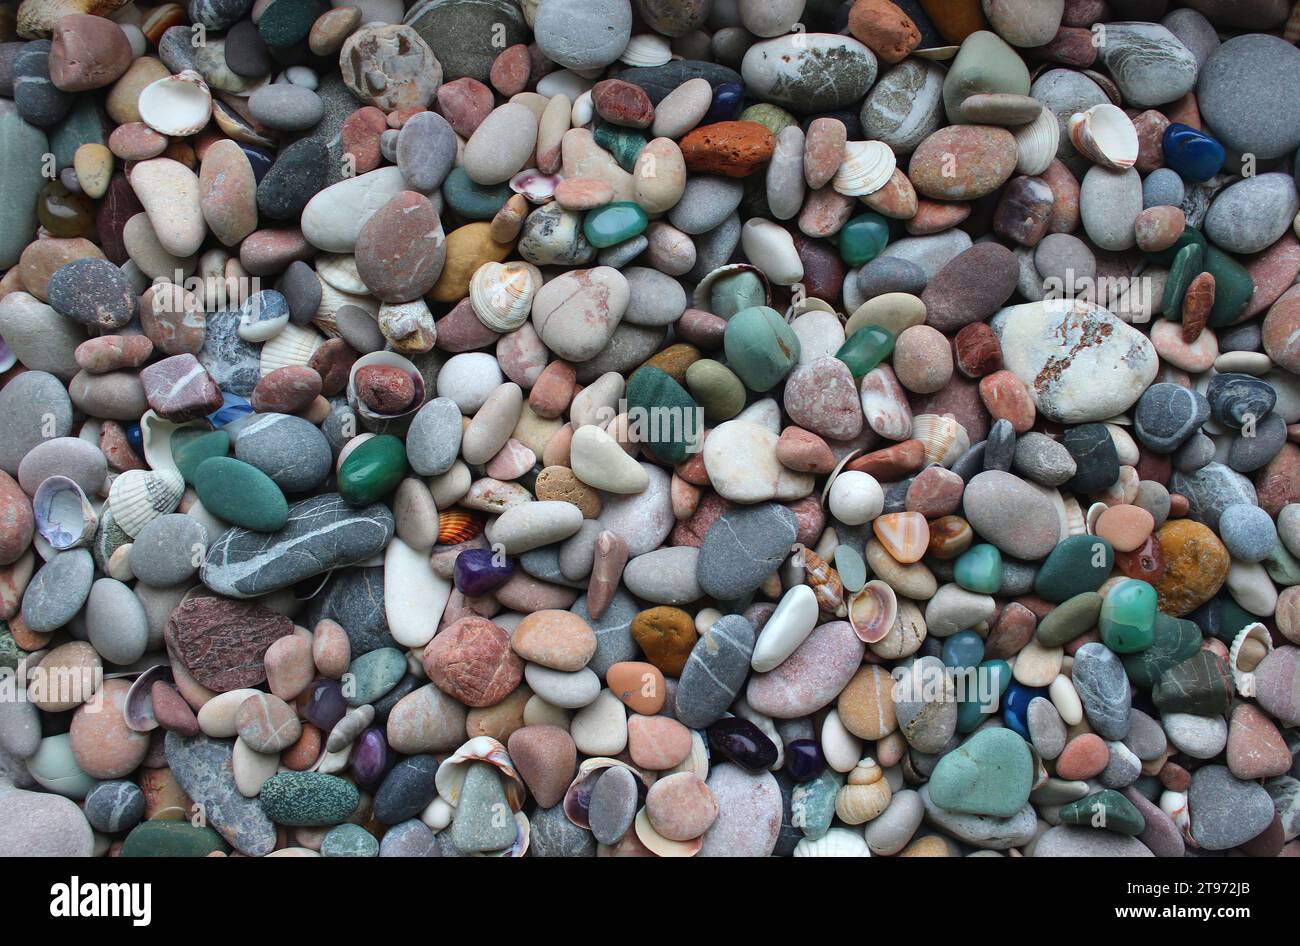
{"x": 293, "y": 346}
{"x": 660, "y": 845}
{"x": 450, "y": 777}
{"x": 536, "y": 186}
{"x": 577, "y": 799}
{"x": 873, "y": 611}
{"x": 837, "y": 842}
{"x": 138, "y": 497}
{"x": 176, "y": 105}
{"x": 392, "y": 360}
{"x": 704, "y": 289}
{"x": 502, "y": 293}
{"x": 64, "y": 516}
{"x": 1243, "y": 677}
{"x": 646, "y": 49}
{"x": 458, "y": 525}
{"x": 1037, "y": 142}
{"x": 944, "y": 438}
{"x": 1105, "y": 135}
{"x": 866, "y": 168}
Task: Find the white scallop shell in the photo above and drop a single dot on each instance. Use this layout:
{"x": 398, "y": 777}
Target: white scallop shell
{"x": 1244, "y": 680}
{"x": 866, "y": 168}
{"x": 944, "y": 438}
{"x": 646, "y": 49}
{"x": 64, "y": 516}
{"x": 837, "y": 842}
{"x": 1037, "y": 143}
{"x": 293, "y": 346}
{"x": 138, "y": 497}
{"x": 176, "y": 105}
{"x": 1105, "y": 135}
{"x": 340, "y": 271}
{"x": 502, "y": 293}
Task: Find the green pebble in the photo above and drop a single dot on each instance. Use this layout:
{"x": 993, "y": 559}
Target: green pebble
{"x": 373, "y": 674}
{"x": 171, "y": 839}
{"x": 1233, "y": 287}
{"x": 1201, "y": 684}
{"x": 286, "y": 22}
{"x": 372, "y": 470}
{"x": 349, "y": 840}
{"x": 866, "y": 348}
{"x": 625, "y": 144}
{"x": 1079, "y": 563}
{"x": 991, "y": 773}
{"x": 761, "y": 347}
{"x": 852, "y": 569}
{"x": 1128, "y": 616}
{"x": 1187, "y": 265}
{"x": 192, "y": 445}
{"x": 974, "y": 709}
{"x": 241, "y": 494}
{"x": 863, "y": 238}
{"x": 663, "y": 414}
{"x": 736, "y": 291}
{"x": 816, "y": 801}
{"x": 1173, "y": 640}
{"x": 483, "y": 820}
{"x": 1189, "y": 236}
{"x": 614, "y": 223}
{"x": 1069, "y": 619}
{"x": 979, "y": 569}
{"x": 716, "y": 388}
{"x": 1282, "y": 566}
{"x": 308, "y": 799}
{"x": 773, "y": 117}
{"x": 1106, "y": 809}
{"x": 474, "y": 201}
{"x": 985, "y": 63}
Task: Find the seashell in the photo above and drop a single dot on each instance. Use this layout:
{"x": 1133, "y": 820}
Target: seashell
{"x": 837, "y": 842}
{"x": 1074, "y": 520}
{"x": 502, "y": 293}
{"x": 866, "y": 168}
{"x": 864, "y": 796}
{"x": 1174, "y": 804}
{"x": 873, "y": 611}
{"x": 176, "y": 105}
{"x": 536, "y": 186}
{"x": 457, "y": 525}
{"x": 138, "y": 497}
{"x": 293, "y": 346}
{"x": 7, "y": 357}
{"x": 660, "y": 845}
{"x": 702, "y": 297}
{"x": 109, "y": 537}
{"x": 824, "y": 581}
{"x": 156, "y": 436}
{"x": 1037, "y": 142}
{"x": 945, "y": 440}
{"x": 1105, "y": 135}
{"x": 239, "y": 127}
{"x": 139, "y": 700}
{"x": 1291, "y": 31}
{"x": 584, "y": 110}
{"x": 839, "y": 468}
{"x": 1243, "y": 666}
{"x": 331, "y": 300}
{"x": 646, "y": 49}
{"x": 1107, "y": 85}
{"x": 64, "y": 516}
{"x": 1094, "y": 513}
{"x": 938, "y": 53}
{"x": 340, "y": 271}
{"x": 389, "y": 359}
{"x": 450, "y": 776}
{"x": 577, "y": 799}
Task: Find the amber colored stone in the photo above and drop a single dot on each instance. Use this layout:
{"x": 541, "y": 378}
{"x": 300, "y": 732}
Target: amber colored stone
{"x": 639, "y": 685}
{"x": 949, "y": 537}
{"x": 1197, "y": 303}
{"x": 302, "y": 755}
{"x": 905, "y": 535}
{"x": 1196, "y": 565}
{"x": 666, "y": 636}
{"x": 674, "y": 360}
{"x": 955, "y": 19}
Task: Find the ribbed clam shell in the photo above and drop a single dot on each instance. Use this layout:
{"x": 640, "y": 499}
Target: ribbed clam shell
{"x": 331, "y": 300}
{"x": 456, "y": 526}
{"x": 660, "y": 845}
{"x": 450, "y": 777}
{"x": 873, "y": 611}
{"x": 140, "y": 496}
{"x": 293, "y": 346}
{"x": 1036, "y": 143}
{"x": 1244, "y": 680}
{"x": 1074, "y": 519}
{"x": 866, "y": 168}
{"x": 502, "y": 293}
{"x": 64, "y": 516}
{"x": 176, "y": 105}
{"x": 1104, "y": 135}
{"x": 340, "y": 271}
{"x": 837, "y": 842}
{"x": 945, "y": 440}
{"x": 646, "y": 49}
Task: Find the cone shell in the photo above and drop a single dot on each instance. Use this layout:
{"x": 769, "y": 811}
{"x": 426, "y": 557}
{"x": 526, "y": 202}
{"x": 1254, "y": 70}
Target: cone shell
{"x": 450, "y": 777}
{"x": 457, "y": 525}
{"x": 1243, "y": 679}
{"x": 824, "y": 581}
{"x": 64, "y": 516}
{"x": 1105, "y": 135}
{"x": 866, "y": 168}
{"x": 873, "y": 611}
{"x": 293, "y": 346}
{"x": 577, "y": 800}
{"x": 837, "y": 842}
{"x": 646, "y": 49}
{"x": 138, "y": 497}
{"x": 502, "y": 293}
{"x": 945, "y": 440}
{"x": 1037, "y": 142}
{"x": 176, "y": 105}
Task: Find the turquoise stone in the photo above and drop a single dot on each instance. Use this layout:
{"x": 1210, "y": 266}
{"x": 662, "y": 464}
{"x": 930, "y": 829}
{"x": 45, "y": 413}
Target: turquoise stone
{"x": 624, "y": 144}
{"x": 979, "y": 569}
{"x": 813, "y": 804}
{"x": 372, "y": 470}
{"x": 1233, "y": 287}
{"x": 866, "y": 348}
{"x": 1079, "y": 563}
{"x": 991, "y": 773}
{"x": 863, "y": 238}
{"x": 975, "y": 705}
{"x": 1107, "y": 810}
{"x": 241, "y": 494}
{"x": 735, "y": 291}
{"x": 664, "y": 418}
{"x": 373, "y": 674}
{"x": 614, "y": 223}
{"x": 192, "y": 445}
{"x": 963, "y": 649}
{"x": 1173, "y": 641}
{"x": 474, "y": 201}
{"x": 761, "y": 347}
{"x": 1187, "y": 265}
{"x": 1128, "y": 617}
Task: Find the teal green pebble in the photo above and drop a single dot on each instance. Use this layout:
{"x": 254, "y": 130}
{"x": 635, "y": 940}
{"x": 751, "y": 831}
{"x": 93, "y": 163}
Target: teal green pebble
{"x": 983, "y": 692}
{"x": 816, "y": 801}
{"x": 736, "y": 291}
{"x": 171, "y": 839}
{"x": 866, "y": 348}
{"x": 1188, "y": 237}
{"x": 624, "y": 144}
{"x": 718, "y": 391}
{"x": 1107, "y": 810}
{"x": 863, "y": 238}
{"x": 286, "y": 22}
{"x": 191, "y": 446}
{"x": 373, "y": 674}
{"x": 665, "y": 418}
{"x": 1173, "y": 640}
{"x": 1187, "y": 265}
{"x": 372, "y": 470}
{"x": 963, "y": 649}
{"x": 1233, "y": 287}
{"x": 22, "y": 148}
{"x": 761, "y": 347}
{"x": 56, "y": 768}
{"x": 991, "y": 773}
{"x": 482, "y": 821}
{"x": 614, "y": 223}
{"x": 1079, "y": 563}
{"x": 979, "y": 569}
{"x": 349, "y": 840}
{"x": 1128, "y": 617}
{"x": 241, "y": 494}
{"x": 1282, "y": 567}
{"x": 308, "y": 799}
{"x": 474, "y": 201}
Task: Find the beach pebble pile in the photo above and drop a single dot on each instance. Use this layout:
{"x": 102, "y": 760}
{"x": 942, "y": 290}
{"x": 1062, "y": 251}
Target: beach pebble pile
{"x": 650, "y": 428}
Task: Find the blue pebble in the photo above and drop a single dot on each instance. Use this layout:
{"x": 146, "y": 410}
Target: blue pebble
{"x": 726, "y": 103}
{"x": 1193, "y": 154}
{"x": 259, "y": 159}
{"x": 963, "y": 649}
{"x": 232, "y": 409}
{"x": 1015, "y": 706}
{"x": 135, "y": 437}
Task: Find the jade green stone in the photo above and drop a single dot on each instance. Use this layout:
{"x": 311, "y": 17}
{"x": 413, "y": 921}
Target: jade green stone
{"x": 372, "y": 470}
{"x": 852, "y": 569}
{"x": 985, "y": 63}
{"x": 55, "y": 767}
{"x": 241, "y": 494}
{"x": 474, "y": 201}
{"x": 482, "y": 821}
{"x": 624, "y": 144}
{"x": 975, "y": 707}
{"x": 761, "y": 347}
{"x": 1187, "y": 265}
{"x": 1069, "y": 619}
{"x": 1128, "y": 616}
{"x": 1189, "y": 236}
{"x": 373, "y": 674}
{"x": 773, "y": 117}
{"x": 191, "y": 446}
{"x": 816, "y": 799}
{"x": 308, "y": 799}
{"x": 349, "y": 840}
{"x": 991, "y": 773}
{"x": 979, "y": 569}
{"x": 287, "y": 22}
{"x": 1201, "y": 684}
{"x": 866, "y": 348}
{"x": 1079, "y": 563}
{"x": 1173, "y": 640}
{"x": 171, "y": 839}
{"x": 1282, "y": 566}
{"x": 664, "y": 417}
{"x": 1106, "y": 809}
{"x": 738, "y": 290}
{"x": 717, "y": 390}
{"x": 863, "y": 238}
{"x": 614, "y": 223}
{"x": 1233, "y": 287}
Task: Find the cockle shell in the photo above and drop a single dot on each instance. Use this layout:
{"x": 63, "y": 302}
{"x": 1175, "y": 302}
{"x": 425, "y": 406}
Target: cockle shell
{"x": 176, "y": 105}
{"x": 658, "y": 844}
{"x": 577, "y": 799}
{"x": 138, "y": 497}
{"x": 866, "y": 168}
{"x": 294, "y": 345}
{"x": 502, "y": 293}
{"x": 392, "y": 360}
{"x": 945, "y": 440}
{"x": 1075, "y": 521}
{"x": 139, "y": 699}
{"x": 450, "y": 777}
{"x": 536, "y": 186}
{"x": 1105, "y": 135}
{"x": 456, "y": 526}
{"x": 646, "y": 49}
{"x": 1242, "y": 678}
{"x": 1037, "y": 142}
{"x": 837, "y": 842}
{"x": 824, "y": 581}
{"x": 340, "y": 271}
{"x": 64, "y": 516}
{"x": 36, "y": 18}
{"x": 873, "y": 611}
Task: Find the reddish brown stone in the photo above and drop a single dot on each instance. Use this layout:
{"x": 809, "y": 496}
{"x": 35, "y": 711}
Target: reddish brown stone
{"x": 401, "y": 248}
{"x": 1197, "y": 303}
{"x": 884, "y": 28}
{"x": 553, "y": 390}
{"x": 87, "y": 52}
{"x": 897, "y": 199}
{"x": 692, "y": 531}
{"x": 180, "y": 389}
{"x": 172, "y": 318}
{"x": 113, "y": 352}
{"x": 825, "y": 212}
{"x": 471, "y": 660}
{"x": 963, "y": 162}
{"x": 935, "y": 492}
{"x": 1006, "y": 398}
{"x": 384, "y": 389}
{"x": 1185, "y": 111}
{"x": 461, "y": 330}
{"x": 935, "y": 216}
{"x": 810, "y": 520}
{"x": 117, "y": 449}
{"x": 977, "y": 350}
{"x": 464, "y": 102}
{"x": 222, "y": 642}
{"x": 1065, "y": 193}
{"x": 171, "y": 710}
{"x": 333, "y": 362}
{"x": 1071, "y": 46}
{"x": 286, "y": 390}
{"x": 1281, "y": 331}
{"x": 735, "y": 149}
{"x": 803, "y": 451}
{"x": 43, "y": 258}
{"x": 1025, "y": 210}
{"x": 622, "y": 103}
{"x": 1273, "y": 272}
{"x": 1150, "y": 126}
{"x": 891, "y": 463}
{"x": 823, "y": 270}
{"x": 823, "y": 150}
{"x": 1279, "y": 482}
{"x": 1012, "y": 630}
{"x": 701, "y": 328}
{"x": 269, "y": 252}
{"x": 136, "y": 141}
{"x": 510, "y": 70}
{"x": 1146, "y": 562}
{"x": 360, "y": 135}
{"x": 16, "y": 521}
